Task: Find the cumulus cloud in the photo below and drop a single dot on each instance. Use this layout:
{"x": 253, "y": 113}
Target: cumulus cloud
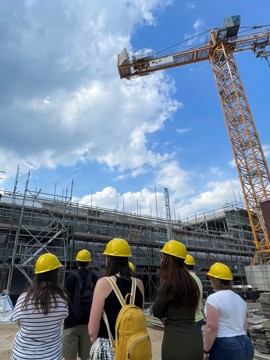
{"x": 64, "y": 102}
{"x": 196, "y": 37}
{"x": 266, "y": 150}
{"x": 216, "y": 196}
{"x": 183, "y": 130}
{"x": 63, "y": 105}
{"x": 198, "y": 24}
{"x": 183, "y": 202}
{"x": 216, "y": 170}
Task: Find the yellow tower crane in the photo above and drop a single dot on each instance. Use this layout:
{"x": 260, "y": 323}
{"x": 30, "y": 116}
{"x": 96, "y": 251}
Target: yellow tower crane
{"x": 248, "y": 154}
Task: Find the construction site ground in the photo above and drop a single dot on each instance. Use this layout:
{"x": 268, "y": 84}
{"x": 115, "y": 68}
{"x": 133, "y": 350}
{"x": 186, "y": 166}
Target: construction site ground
{"x": 8, "y": 331}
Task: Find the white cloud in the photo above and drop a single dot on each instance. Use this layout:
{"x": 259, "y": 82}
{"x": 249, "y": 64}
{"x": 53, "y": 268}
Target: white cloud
{"x": 77, "y": 109}
{"x": 199, "y": 23}
{"x": 183, "y": 203}
{"x": 63, "y": 104}
{"x": 216, "y": 170}
{"x": 218, "y": 194}
{"x": 196, "y": 38}
{"x": 183, "y": 130}
{"x": 170, "y": 175}
{"x": 266, "y": 150}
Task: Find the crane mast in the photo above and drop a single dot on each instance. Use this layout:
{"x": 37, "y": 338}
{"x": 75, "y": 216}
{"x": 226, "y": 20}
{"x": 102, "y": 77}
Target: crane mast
{"x": 248, "y": 154}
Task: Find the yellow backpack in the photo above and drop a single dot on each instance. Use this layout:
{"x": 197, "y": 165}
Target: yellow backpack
{"x": 132, "y": 341}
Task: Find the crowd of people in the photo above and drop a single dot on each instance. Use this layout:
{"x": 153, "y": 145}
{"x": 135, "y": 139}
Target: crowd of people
{"x": 52, "y": 325}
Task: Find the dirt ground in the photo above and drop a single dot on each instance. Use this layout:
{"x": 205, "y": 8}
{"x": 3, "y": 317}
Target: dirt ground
{"x": 8, "y": 331}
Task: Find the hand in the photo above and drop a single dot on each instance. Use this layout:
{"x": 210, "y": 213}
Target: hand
{"x": 205, "y": 356}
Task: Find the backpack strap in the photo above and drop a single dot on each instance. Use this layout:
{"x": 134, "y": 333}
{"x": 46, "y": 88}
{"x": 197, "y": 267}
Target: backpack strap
{"x": 89, "y": 277}
{"x": 116, "y": 290}
{"x": 77, "y": 275}
{"x": 108, "y": 329}
{"x": 133, "y": 290}
{"x": 80, "y": 279}
{"x": 122, "y": 302}
{"x": 118, "y": 293}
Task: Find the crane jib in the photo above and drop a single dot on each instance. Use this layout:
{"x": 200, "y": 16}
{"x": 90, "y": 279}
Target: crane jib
{"x": 248, "y": 153}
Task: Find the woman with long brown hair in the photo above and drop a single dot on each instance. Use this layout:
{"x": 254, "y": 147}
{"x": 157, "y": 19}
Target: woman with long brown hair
{"x": 105, "y": 300}
{"x": 176, "y": 303}
{"x": 39, "y": 312}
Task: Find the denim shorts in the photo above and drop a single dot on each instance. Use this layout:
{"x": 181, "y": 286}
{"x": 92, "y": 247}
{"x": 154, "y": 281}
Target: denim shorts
{"x": 232, "y": 348}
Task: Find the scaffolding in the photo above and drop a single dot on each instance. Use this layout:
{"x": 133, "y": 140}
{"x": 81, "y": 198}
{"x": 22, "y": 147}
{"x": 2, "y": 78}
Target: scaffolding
{"x": 34, "y": 222}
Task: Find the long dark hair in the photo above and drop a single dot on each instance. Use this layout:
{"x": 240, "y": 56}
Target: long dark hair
{"x": 181, "y": 285}
{"x": 43, "y": 291}
{"x": 118, "y": 265}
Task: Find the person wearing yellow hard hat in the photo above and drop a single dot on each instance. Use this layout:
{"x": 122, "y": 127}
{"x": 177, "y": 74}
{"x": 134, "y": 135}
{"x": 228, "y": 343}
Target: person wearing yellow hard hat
{"x": 225, "y": 334}
{"x": 40, "y": 312}
{"x": 80, "y": 286}
{"x": 199, "y": 317}
{"x": 132, "y": 268}
{"x": 176, "y": 303}
{"x": 105, "y": 300}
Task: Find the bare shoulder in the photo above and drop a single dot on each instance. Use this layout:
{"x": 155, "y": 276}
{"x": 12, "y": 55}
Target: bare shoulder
{"x": 102, "y": 282}
{"x": 103, "y": 285}
{"x": 140, "y": 285}
{"x": 139, "y": 282}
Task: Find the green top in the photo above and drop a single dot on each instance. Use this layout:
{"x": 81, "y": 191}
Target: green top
{"x": 199, "y": 314}
{"x": 181, "y": 336}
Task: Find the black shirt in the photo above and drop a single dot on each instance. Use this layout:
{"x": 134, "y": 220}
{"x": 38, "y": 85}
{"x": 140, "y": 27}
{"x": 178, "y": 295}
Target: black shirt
{"x": 70, "y": 285}
{"x": 112, "y": 306}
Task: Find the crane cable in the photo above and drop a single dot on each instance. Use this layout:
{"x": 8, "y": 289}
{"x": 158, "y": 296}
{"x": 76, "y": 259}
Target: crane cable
{"x": 180, "y": 43}
{"x": 205, "y": 32}
{"x": 253, "y": 28}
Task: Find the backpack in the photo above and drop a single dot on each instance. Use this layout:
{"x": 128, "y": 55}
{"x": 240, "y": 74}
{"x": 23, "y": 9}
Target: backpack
{"x": 131, "y": 338}
{"x": 83, "y": 295}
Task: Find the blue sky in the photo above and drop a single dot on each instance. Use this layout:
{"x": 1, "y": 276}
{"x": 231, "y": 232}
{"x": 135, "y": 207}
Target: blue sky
{"x": 67, "y": 117}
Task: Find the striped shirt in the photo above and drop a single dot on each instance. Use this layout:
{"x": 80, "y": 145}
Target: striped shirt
{"x": 40, "y": 336}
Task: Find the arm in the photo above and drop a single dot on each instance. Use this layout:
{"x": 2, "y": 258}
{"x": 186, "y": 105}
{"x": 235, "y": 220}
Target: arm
{"x": 161, "y": 302}
{"x": 246, "y": 324}
{"x": 102, "y": 290}
{"x": 211, "y": 328}
{"x": 140, "y": 285}
{"x": 17, "y": 312}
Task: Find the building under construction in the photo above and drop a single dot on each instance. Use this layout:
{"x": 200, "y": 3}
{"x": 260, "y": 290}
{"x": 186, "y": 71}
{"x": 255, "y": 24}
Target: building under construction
{"x": 33, "y": 223}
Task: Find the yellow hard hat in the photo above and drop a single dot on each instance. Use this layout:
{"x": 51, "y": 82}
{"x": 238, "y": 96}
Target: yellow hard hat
{"x": 118, "y": 247}
{"x": 175, "y": 248}
{"x": 47, "y": 262}
{"x": 131, "y": 266}
{"x": 189, "y": 260}
{"x": 220, "y": 271}
{"x": 83, "y": 255}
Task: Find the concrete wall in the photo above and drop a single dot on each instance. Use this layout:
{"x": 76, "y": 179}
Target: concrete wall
{"x": 258, "y": 276}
